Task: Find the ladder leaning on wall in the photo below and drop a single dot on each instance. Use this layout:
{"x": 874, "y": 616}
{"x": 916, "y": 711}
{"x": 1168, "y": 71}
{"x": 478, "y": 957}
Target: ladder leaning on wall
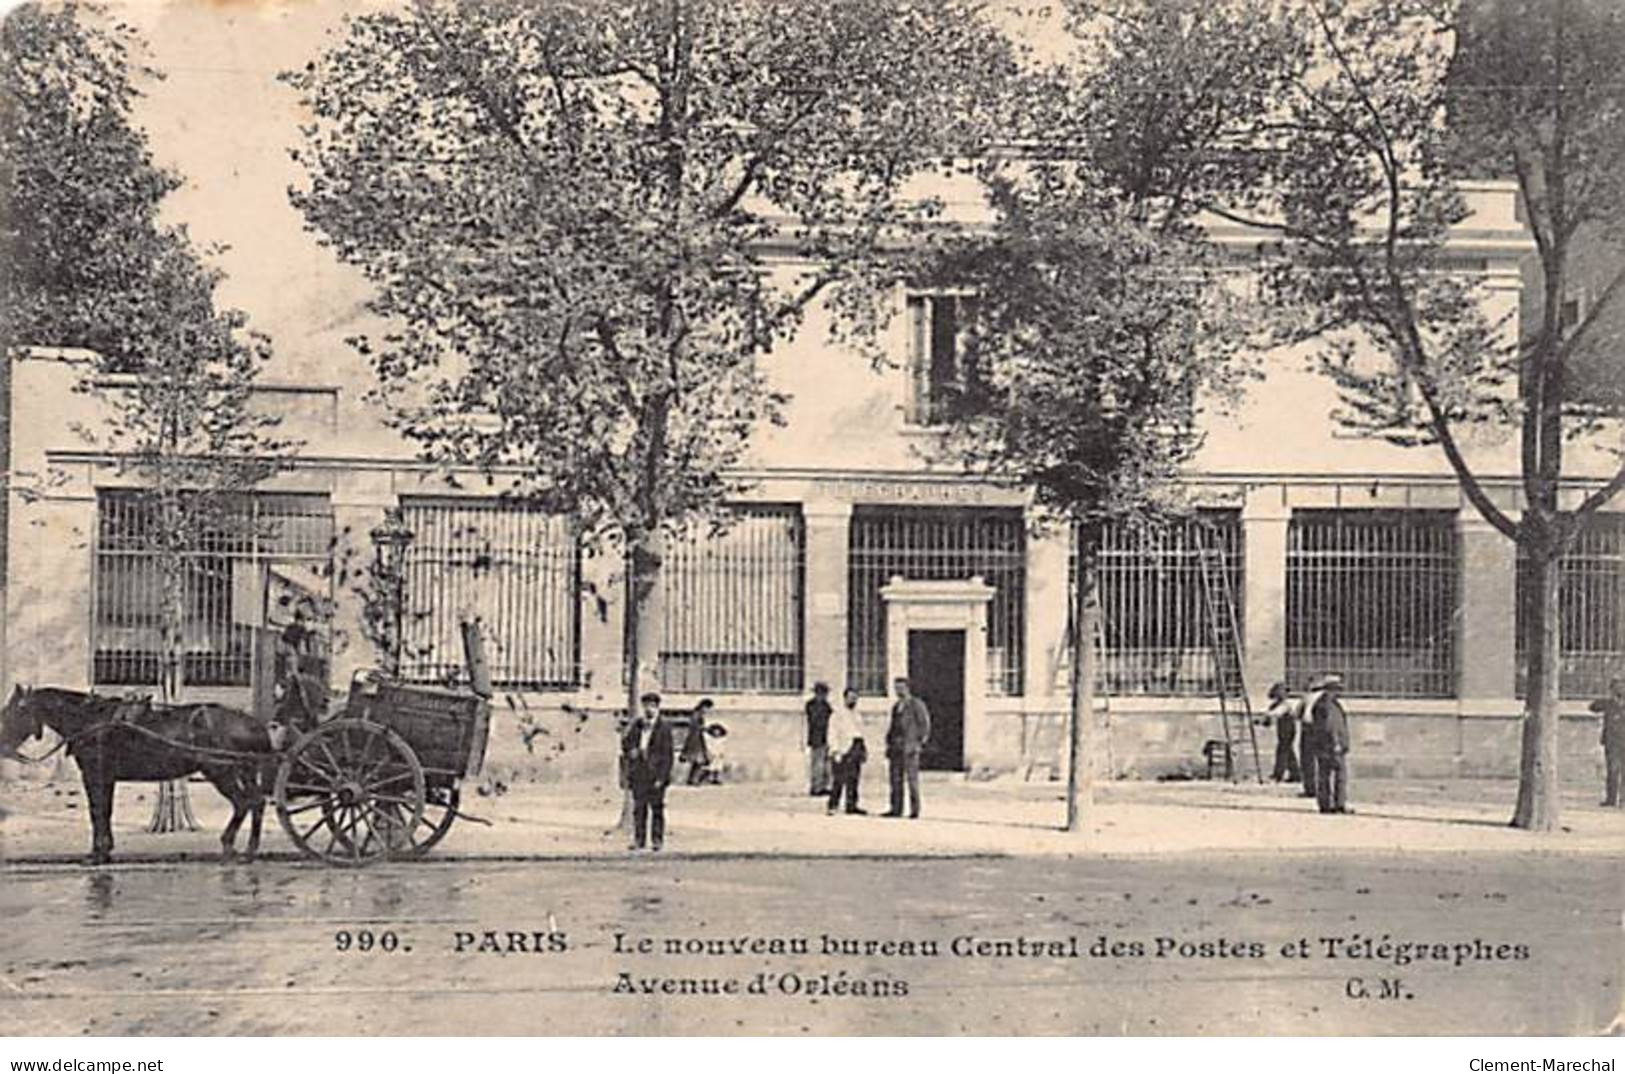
{"x": 1224, "y": 637}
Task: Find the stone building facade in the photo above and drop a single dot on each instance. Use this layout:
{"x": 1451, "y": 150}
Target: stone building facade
{"x": 856, "y": 558}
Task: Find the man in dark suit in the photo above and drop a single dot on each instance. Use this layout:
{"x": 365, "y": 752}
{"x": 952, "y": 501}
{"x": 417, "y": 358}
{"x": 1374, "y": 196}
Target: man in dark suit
{"x": 646, "y": 749}
{"x": 1612, "y": 711}
{"x": 906, "y": 737}
{"x": 1324, "y": 712}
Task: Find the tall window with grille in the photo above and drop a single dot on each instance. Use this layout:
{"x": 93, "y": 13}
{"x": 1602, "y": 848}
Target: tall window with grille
{"x": 733, "y": 605}
{"x": 1591, "y": 604}
{"x": 250, "y": 539}
{"x": 944, "y": 375}
{"x": 516, "y": 569}
{"x": 1153, "y": 614}
{"x": 936, "y": 544}
{"x": 1373, "y": 595}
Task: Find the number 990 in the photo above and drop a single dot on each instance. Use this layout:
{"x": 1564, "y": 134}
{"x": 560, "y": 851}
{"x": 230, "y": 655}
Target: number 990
{"x": 364, "y": 940}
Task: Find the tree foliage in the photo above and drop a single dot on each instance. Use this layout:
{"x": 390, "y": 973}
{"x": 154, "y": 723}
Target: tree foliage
{"x": 1377, "y": 110}
{"x": 589, "y": 222}
{"x": 86, "y": 262}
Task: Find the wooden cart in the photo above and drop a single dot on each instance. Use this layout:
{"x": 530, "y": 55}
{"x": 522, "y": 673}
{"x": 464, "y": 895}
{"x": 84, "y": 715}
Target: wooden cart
{"x": 380, "y": 779}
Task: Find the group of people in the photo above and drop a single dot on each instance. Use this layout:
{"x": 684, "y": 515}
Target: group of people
{"x": 837, "y": 748}
{"x": 1312, "y": 741}
{"x": 1311, "y": 747}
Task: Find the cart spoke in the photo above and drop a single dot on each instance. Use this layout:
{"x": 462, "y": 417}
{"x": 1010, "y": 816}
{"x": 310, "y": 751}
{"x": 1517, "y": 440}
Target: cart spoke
{"x": 304, "y": 836}
{"x": 327, "y": 775}
{"x": 317, "y": 803}
{"x": 337, "y": 769}
{"x": 396, "y": 778}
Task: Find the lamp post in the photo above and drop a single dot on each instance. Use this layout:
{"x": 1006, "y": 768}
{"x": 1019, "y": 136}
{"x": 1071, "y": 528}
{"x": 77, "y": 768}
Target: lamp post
{"x": 390, "y": 541}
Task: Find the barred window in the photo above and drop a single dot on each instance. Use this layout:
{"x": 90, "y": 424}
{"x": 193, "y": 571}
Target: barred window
{"x": 1590, "y": 587}
{"x": 1373, "y": 595}
{"x": 936, "y": 544}
{"x": 246, "y": 540}
{"x": 516, "y": 569}
{"x": 733, "y": 605}
{"x": 1153, "y": 613}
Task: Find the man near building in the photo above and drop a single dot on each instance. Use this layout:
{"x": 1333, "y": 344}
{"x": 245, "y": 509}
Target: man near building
{"x": 1324, "y": 712}
{"x": 906, "y": 737}
{"x": 1612, "y": 711}
{"x": 1308, "y": 744}
{"x": 301, "y": 699}
{"x": 818, "y": 712}
{"x": 847, "y": 752}
{"x": 1284, "y": 711}
{"x": 647, "y": 751}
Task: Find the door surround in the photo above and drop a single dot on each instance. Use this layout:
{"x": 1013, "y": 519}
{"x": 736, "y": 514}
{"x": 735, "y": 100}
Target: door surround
{"x": 959, "y": 604}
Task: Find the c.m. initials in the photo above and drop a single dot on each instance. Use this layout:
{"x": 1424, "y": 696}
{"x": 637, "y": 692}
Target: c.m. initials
{"x": 1376, "y": 988}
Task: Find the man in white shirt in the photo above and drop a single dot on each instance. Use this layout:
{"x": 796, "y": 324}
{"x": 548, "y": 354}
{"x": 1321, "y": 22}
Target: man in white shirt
{"x": 847, "y": 752}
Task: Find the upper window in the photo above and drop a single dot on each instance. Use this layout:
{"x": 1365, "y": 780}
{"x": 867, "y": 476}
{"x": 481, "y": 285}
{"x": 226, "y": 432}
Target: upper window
{"x": 943, "y": 372}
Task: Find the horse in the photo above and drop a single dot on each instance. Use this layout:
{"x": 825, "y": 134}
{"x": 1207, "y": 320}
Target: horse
{"x": 114, "y": 739}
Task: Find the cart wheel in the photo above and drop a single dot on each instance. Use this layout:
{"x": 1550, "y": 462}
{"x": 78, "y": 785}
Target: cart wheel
{"x": 350, "y": 792}
{"x": 440, "y": 804}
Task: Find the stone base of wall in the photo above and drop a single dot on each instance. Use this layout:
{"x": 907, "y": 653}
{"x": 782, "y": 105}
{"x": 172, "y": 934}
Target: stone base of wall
{"x": 768, "y": 745}
{"x": 1387, "y": 745}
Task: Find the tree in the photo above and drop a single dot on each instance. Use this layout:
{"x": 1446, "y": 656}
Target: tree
{"x": 1368, "y": 115}
{"x": 590, "y": 222}
{"x": 87, "y": 264}
{"x": 1100, "y": 333}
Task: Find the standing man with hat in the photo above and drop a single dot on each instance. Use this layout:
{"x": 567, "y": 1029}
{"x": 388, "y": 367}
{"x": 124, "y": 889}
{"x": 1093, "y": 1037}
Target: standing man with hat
{"x": 818, "y": 713}
{"x": 906, "y": 737}
{"x": 647, "y": 751}
{"x": 1284, "y": 711}
{"x": 1324, "y": 713}
{"x": 1612, "y": 711}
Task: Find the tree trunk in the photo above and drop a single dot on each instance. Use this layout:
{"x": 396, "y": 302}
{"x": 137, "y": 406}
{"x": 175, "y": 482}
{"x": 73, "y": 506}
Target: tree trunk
{"x": 172, "y": 811}
{"x": 1538, "y": 804}
{"x": 1080, "y": 766}
{"x": 645, "y": 629}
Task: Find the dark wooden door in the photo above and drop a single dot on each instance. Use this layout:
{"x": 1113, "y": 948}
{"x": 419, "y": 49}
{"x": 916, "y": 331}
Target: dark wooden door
{"x": 936, "y": 672}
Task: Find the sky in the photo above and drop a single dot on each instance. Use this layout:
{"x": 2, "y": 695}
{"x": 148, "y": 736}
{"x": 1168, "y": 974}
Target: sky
{"x": 222, "y": 119}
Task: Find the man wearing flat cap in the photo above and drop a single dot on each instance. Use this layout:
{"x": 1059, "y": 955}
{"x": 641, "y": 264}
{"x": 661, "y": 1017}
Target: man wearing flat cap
{"x": 646, "y": 749}
{"x": 1325, "y": 714}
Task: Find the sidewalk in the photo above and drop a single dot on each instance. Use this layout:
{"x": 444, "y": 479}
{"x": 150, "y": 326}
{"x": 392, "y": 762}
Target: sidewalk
{"x": 47, "y": 822}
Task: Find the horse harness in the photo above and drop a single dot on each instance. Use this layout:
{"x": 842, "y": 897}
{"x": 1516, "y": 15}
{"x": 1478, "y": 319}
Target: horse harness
{"x": 124, "y": 718}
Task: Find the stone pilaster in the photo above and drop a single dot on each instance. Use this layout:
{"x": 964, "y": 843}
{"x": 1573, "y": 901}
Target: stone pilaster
{"x": 1486, "y": 640}
{"x": 1264, "y": 519}
{"x": 1046, "y": 598}
{"x": 828, "y": 526}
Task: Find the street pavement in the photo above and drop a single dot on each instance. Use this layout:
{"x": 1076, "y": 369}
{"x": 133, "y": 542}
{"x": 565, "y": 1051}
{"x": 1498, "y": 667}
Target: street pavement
{"x": 1197, "y": 943}
{"x": 1186, "y": 908}
{"x": 46, "y": 822}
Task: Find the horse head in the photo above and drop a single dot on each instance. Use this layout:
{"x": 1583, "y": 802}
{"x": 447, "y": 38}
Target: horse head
{"x": 19, "y": 721}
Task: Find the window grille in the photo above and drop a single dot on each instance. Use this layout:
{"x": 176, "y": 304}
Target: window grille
{"x": 516, "y": 569}
{"x": 1152, "y": 611}
{"x": 1591, "y": 584}
{"x": 223, "y": 579}
{"x": 936, "y": 544}
{"x": 733, "y": 605}
{"x": 943, "y": 374}
{"x": 1372, "y": 595}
